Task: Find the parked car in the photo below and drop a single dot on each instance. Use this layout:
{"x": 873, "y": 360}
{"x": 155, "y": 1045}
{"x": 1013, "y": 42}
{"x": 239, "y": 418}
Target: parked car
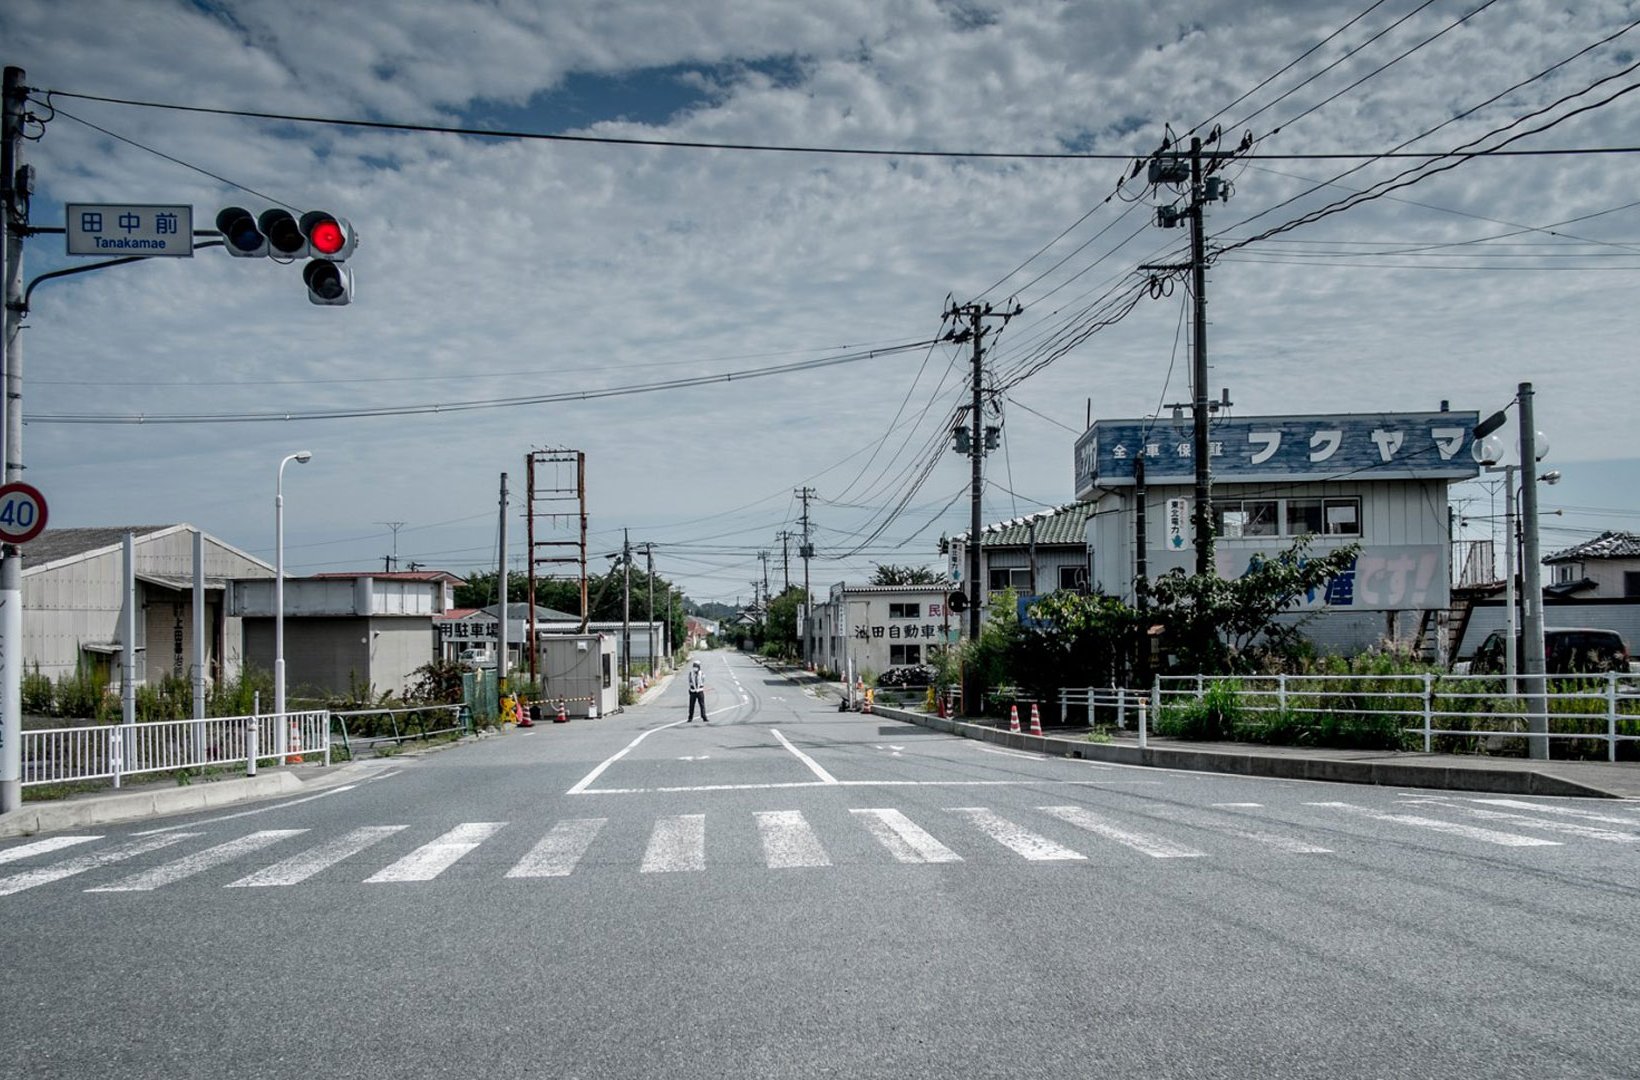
{"x": 1566, "y": 651}
{"x": 476, "y": 658}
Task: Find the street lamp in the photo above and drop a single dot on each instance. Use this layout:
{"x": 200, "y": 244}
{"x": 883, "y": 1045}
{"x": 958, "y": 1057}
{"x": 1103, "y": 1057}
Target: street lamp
{"x": 301, "y": 457}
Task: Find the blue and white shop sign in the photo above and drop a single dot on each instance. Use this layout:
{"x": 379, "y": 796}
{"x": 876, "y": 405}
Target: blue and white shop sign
{"x": 1277, "y": 449}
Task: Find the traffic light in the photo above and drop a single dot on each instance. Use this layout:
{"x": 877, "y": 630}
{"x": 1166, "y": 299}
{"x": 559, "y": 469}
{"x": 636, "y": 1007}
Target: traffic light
{"x": 317, "y": 235}
{"x": 957, "y": 601}
{"x": 240, "y": 235}
{"x": 328, "y": 284}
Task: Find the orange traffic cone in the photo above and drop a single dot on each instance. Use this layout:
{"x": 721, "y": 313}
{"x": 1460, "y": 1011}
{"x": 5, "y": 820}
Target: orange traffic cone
{"x": 562, "y": 719}
{"x": 294, "y": 757}
{"x": 870, "y": 693}
{"x": 1013, "y": 718}
{"x": 524, "y": 717}
{"x": 1036, "y": 720}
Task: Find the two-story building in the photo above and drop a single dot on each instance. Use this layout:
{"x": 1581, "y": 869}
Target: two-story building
{"x": 1032, "y": 555}
{"x": 1604, "y": 568}
{"x": 871, "y": 628}
{"x": 1375, "y": 479}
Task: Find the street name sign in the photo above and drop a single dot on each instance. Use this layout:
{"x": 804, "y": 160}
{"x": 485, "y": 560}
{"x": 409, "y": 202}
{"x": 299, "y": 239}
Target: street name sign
{"x": 22, "y": 513}
{"x": 125, "y": 229}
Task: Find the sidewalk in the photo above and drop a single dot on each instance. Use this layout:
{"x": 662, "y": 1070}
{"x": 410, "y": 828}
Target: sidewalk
{"x": 1391, "y": 768}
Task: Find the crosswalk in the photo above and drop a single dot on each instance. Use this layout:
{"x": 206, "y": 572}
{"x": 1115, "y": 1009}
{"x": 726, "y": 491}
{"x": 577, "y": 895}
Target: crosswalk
{"x": 789, "y": 839}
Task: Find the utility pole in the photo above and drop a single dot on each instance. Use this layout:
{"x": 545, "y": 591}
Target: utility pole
{"x": 626, "y": 609}
{"x": 1170, "y": 168}
{"x": 648, "y": 550}
{"x": 806, "y": 550}
{"x": 980, "y": 439}
{"x": 763, "y": 556}
{"x": 505, "y": 612}
{"x": 1141, "y": 572}
{"x": 14, "y": 209}
{"x": 1532, "y": 661}
{"x": 785, "y": 536}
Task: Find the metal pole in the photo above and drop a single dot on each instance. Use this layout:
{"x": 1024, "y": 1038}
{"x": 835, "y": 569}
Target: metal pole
{"x": 976, "y": 452}
{"x": 198, "y": 741}
{"x": 505, "y": 614}
{"x": 531, "y": 646}
{"x": 1537, "y": 701}
{"x": 280, "y": 733}
{"x": 128, "y": 634}
{"x": 1198, "y": 268}
{"x": 13, "y": 212}
{"x": 649, "y": 571}
{"x": 626, "y": 609}
{"x": 1511, "y": 659}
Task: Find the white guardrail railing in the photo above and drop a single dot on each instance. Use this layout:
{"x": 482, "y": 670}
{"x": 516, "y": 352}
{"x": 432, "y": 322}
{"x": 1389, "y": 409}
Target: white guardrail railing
{"x": 1603, "y": 707}
{"x": 111, "y": 752}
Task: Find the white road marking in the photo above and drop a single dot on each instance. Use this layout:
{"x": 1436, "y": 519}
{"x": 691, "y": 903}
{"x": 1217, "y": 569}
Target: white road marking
{"x": 1016, "y": 838}
{"x": 560, "y": 850}
{"x": 905, "y": 839}
{"x": 432, "y": 859}
{"x": 258, "y": 810}
{"x": 28, "y": 879}
{"x": 190, "y": 865}
{"x": 696, "y": 757}
{"x": 586, "y": 781}
{"x": 1011, "y": 753}
{"x": 1590, "y": 832}
{"x": 1469, "y": 832}
{"x": 677, "y": 843}
{"x": 788, "y": 841}
{"x": 299, "y": 868}
{"x": 1238, "y": 805}
{"x": 683, "y": 788}
{"x": 40, "y": 847}
{"x": 1564, "y": 811}
{"x": 814, "y": 766}
{"x": 1275, "y": 840}
{"x": 1153, "y": 846}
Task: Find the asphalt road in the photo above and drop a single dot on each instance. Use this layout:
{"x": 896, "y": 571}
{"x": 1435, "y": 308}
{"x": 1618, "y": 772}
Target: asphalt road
{"x": 795, "y": 892}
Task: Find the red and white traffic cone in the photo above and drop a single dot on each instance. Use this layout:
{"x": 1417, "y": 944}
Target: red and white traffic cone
{"x": 524, "y": 718}
{"x": 1013, "y": 718}
{"x": 1036, "y": 720}
{"x": 562, "y": 718}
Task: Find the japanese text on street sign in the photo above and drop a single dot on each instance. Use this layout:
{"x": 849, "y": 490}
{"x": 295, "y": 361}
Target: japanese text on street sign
{"x": 119, "y": 229}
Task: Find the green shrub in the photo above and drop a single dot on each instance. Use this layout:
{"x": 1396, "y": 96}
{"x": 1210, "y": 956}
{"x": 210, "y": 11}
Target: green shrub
{"x": 82, "y": 695}
{"x": 37, "y": 692}
{"x": 1211, "y": 717}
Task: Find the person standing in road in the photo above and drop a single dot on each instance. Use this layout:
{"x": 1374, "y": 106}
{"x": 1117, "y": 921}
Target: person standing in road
{"x": 697, "y": 692}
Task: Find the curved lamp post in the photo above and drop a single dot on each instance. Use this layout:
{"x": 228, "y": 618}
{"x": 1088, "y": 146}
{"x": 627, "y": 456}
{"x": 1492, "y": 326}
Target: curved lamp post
{"x": 302, "y": 457}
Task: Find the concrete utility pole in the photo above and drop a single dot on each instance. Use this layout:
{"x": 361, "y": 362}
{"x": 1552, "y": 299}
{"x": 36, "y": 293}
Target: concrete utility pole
{"x": 785, "y": 536}
{"x": 648, "y": 550}
{"x": 1532, "y": 660}
{"x": 975, "y": 315}
{"x": 1198, "y": 288}
{"x": 806, "y": 550}
{"x": 13, "y": 219}
{"x": 626, "y": 608}
{"x": 501, "y": 644}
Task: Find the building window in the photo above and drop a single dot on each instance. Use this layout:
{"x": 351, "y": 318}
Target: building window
{"x": 904, "y": 654}
{"x": 1073, "y": 578}
{"x": 905, "y": 611}
{"x": 1565, "y": 573}
{"x": 1239, "y": 518}
{"x": 1017, "y": 578}
{"x": 1236, "y": 518}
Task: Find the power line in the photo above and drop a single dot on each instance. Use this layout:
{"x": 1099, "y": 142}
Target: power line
{"x": 687, "y": 144}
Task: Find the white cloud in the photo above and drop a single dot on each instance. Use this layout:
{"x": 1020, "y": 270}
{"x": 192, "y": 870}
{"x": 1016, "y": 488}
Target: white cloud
{"x": 588, "y": 266}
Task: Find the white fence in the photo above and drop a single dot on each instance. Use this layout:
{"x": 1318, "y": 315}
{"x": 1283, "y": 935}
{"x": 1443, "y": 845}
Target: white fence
{"x": 103, "y": 752}
{"x": 1103, "y": 704}
{"x": 1598, "y": 707}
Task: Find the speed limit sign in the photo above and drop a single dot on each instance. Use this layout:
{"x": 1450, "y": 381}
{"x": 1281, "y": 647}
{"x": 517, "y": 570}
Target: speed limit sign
{"x": 22, "y": 513}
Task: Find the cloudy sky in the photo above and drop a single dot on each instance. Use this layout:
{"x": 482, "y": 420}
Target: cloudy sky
{"x": 524, "y": 272}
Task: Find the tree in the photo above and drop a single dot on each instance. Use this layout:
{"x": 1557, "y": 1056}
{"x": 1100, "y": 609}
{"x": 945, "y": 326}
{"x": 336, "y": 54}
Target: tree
{"x": 890, "y": 574}
{"x": 780, "y": 625}
{"x": 1211, "y": 621}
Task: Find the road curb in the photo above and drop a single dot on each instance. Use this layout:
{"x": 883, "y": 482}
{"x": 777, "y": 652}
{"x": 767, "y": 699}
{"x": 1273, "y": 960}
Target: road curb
{"x": 1239, "y": 763}
{"x": 111, "y": 809}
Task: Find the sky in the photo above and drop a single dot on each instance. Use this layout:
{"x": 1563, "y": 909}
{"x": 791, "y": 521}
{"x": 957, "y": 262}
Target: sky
{"x": 515, "y": 294}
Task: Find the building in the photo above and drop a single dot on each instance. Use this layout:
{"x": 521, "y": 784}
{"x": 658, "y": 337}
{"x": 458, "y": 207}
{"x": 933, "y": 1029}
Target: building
{"x": 74, "y": 601}
{"x": 459, "y": 629}
{"x": 1606, "y": 567}
{"x": 446, "y": 581}
{"x": 344, "y": 636}
{"x": 1038, "y": 553}
{"x": 1375, "y": 479}
{"x": 872, "y": 628}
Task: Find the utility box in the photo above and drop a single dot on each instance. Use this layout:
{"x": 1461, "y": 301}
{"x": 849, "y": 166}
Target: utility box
{"x": 580, "y": 670}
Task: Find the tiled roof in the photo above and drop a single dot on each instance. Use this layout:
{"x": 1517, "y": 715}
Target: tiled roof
{"x": 1608, "y": 545}
{"x": 1061, "y": 525}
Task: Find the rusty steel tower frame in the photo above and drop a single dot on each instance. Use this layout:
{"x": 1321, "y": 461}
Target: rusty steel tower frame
{"x": 554, "y": 504}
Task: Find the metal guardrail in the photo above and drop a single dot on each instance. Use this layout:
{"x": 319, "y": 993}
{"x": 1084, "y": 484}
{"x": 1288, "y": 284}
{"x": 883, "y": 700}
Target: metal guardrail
{"x": 1494, "y": 705}
{"x": 112, "y": 752}
{"x": 1123, "y": 701}
{"x": 415, "y": 726}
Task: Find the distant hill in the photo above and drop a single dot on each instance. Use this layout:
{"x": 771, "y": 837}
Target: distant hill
{"x": 715, "y": 612}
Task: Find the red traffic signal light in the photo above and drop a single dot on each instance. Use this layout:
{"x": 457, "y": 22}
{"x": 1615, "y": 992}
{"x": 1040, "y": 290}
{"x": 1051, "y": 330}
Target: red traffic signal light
{"x": 328, "y": 236}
